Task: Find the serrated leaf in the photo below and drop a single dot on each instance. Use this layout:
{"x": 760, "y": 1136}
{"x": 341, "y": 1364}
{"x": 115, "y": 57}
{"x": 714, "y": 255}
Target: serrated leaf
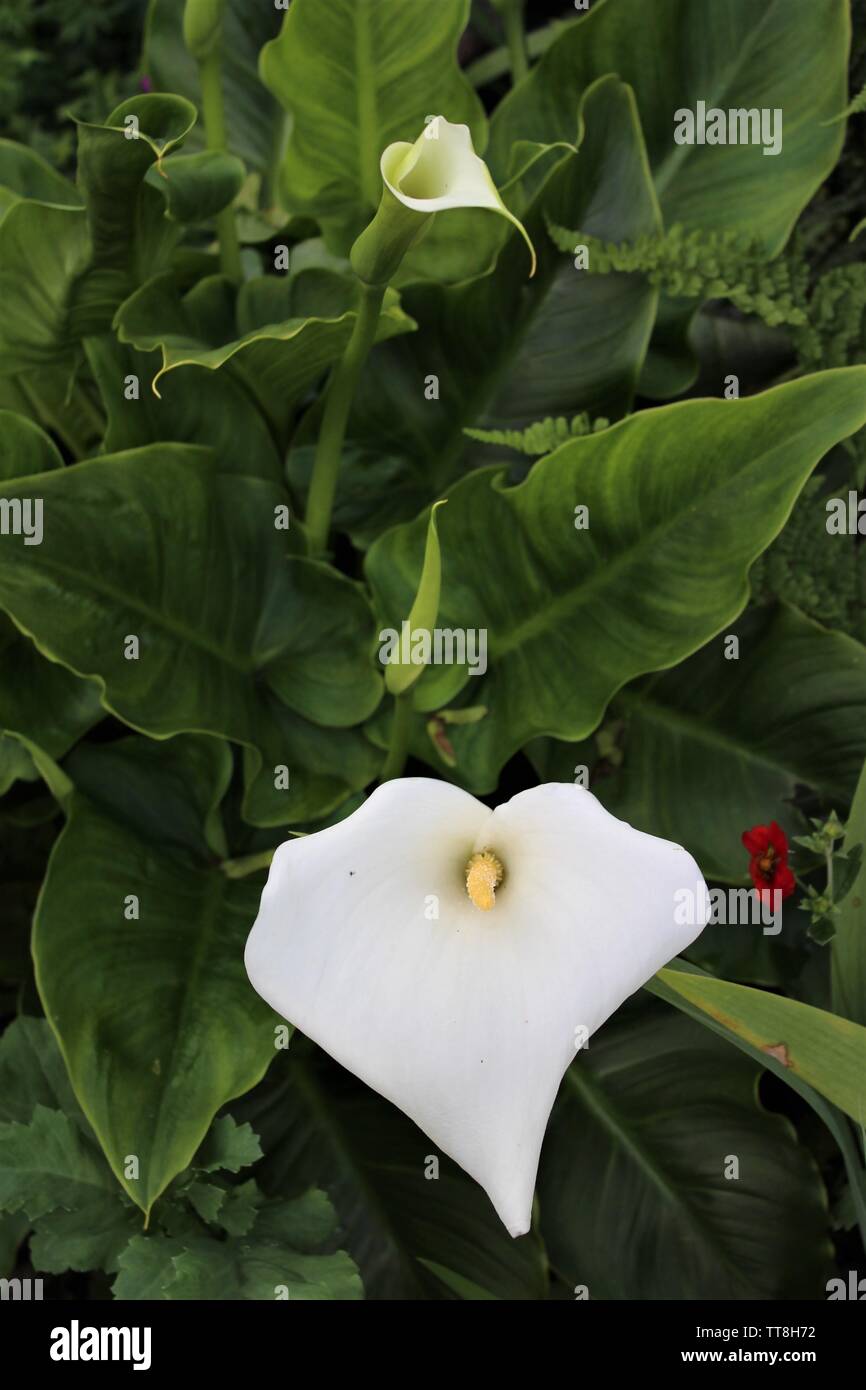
{"x": 227, "y": 1147}
{"x": 274, "y": 1260}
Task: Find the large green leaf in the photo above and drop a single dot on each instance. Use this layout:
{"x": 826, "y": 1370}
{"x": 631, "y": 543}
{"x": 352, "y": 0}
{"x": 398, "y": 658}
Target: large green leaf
{"x": 825, "y": 1051}
{"x": 680, "y": 502}
{"x": 414, "y": 1235}
{"x": 717, "y": 745}
{"x": 25, "y": 174}
{"x": 236, "y": 636}
{"x": 64, "y": 270}
{"x": 357, "y": 75}
{"x": 153, "y": 1012}
{"x": 789, "y": 55}
{"x": 849, "y": 943}
{"x": 253, "y": 119}
{"x": 40, "y": 700}
{"x": 507, "y": 351}
{"x": 196, "y": 406}
{"x": 636, "y": 1190}
{"x": 269, "y": 338}
{"x": 24, "y": 447}
{"x": 131, "y": 237}
{"x": 44, "y": 254}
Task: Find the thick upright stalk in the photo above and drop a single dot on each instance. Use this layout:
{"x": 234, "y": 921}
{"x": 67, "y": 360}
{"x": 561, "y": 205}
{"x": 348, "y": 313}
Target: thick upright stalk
{"x": 210, "y": 75}
{"x": 512, "y": 19}
{"x": 339, "y": 395}
{"x": 401, "y": 727}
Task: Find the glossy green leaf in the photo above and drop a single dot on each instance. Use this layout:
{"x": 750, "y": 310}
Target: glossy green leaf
{"x": 638, "y": 1194}
{"x": 791, "y": 57}
{"x": 413, "y": 1236}
{"x": 24, "y": 447}
{"x": 356, "y": 76}
{"x": 63, "y": 270}
{"x": 278, "y": 361}
{"x": 197, "y": 186}
{"x": 44, "y": 254}
{"x": 196, "y": 406}
{"x": 41, "y": 701}
{"x": 25, "y": 174}
{"x": 138, "y": 947}
{"x": 236, "y": 636}
{"x": 720, "y": 742}
{"x": 661, "y": 567}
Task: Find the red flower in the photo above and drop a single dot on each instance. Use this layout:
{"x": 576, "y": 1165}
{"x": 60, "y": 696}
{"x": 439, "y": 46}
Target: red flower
{"x": 768, "y": 862}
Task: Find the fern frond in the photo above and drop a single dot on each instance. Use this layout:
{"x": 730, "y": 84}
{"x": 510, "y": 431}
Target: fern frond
{"x": 835, "y": 335}
{"x": 543, "y": 436}
{"x": 855, "y": 106}
{"x": 705, "y": 265}
{"x": 821, "y": 574}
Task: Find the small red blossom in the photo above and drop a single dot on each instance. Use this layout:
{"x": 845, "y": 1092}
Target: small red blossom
{"x": 768, "y": 860}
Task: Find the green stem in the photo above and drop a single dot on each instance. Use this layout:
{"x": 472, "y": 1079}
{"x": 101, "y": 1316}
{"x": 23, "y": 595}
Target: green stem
{"x": 339, "y": 395}
{"x": 512, "y": 19}
{"x": 401, "y": 726}
{"x": 210, "y": 75}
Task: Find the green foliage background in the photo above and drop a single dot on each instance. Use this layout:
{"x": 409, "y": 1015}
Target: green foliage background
{"x": 167, "y": 415}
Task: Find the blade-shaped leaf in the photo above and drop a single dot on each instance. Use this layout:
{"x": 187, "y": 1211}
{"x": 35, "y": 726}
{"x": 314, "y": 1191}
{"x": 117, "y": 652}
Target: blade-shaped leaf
{"x": 825, "y": 1051}
{"x": 848, "y": 950}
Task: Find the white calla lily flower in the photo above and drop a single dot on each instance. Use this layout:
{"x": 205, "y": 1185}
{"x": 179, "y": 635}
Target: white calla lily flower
{"x": 454, "y": 957}
{"x": 440, "y": 171}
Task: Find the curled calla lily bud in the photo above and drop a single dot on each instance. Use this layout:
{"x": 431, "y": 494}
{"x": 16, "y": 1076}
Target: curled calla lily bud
{"x": 440, "y": 171}
{"x": 455, "y": 957}
{"x": 202, "y": 26}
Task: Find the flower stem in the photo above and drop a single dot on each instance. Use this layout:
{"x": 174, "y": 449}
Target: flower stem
{"x": 210, "y": 76}
{"x": 398, "y": 749}
{"x": 512, "y": 19}
{"x": 339, "y": 395}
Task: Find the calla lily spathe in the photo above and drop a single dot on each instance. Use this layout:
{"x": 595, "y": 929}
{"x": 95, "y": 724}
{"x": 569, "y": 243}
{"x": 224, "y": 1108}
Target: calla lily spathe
{"x": 440, "y": 171}
{"x": 453, "y": 957}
